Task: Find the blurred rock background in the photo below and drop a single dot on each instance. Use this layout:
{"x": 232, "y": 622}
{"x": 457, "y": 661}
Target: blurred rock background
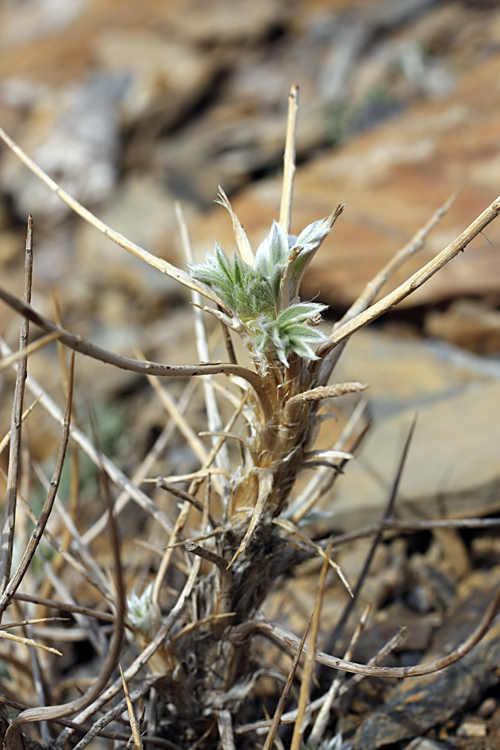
{"x": 130, "y": 105}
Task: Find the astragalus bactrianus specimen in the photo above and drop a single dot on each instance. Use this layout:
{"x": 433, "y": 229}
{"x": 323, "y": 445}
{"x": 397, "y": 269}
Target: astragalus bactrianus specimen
{"x": 231, "y": 540}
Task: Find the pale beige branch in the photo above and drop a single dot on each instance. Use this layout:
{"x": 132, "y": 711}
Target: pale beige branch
{"x": 415, "y": 281}
{"x": 81, "y": 345}
{"x": 161, "y": 265}
{"x": 289, "y": 159}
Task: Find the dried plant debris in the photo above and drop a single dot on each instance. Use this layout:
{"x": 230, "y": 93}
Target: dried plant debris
{"x": 188, "y": 638}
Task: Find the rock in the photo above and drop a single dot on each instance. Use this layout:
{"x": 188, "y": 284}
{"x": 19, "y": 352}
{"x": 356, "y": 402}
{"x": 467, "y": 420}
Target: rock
{"x": 72, "y": 134}
{"x": 470, "y": 324}
{"x": 423, "y": 743}
{"x": 224, "y": 21}
{"x": 451, "y": 471}
{"x": 421, "y": 703}
{"x": 471, "y": 728}
{"x": 403, "y": 372}
{"x": 162, "y": 74}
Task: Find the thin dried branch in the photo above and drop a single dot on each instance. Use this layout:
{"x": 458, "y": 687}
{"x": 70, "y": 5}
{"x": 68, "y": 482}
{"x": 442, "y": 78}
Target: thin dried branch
{"x": 34, "y": 621}
{"x": 161, "y": 265}
{"x": 291, "y": 716}
{"x": 273, "y": 729}
{"x": 39, "y": 684}
{"x": 226, "y": 734}
{"x": 289, "y": 159}
{"x": 226, "y": 576}
{"x": 64, "y": 606}
{"x": 280, "y": 634}
{"x": 81, "y": 345}
{"x": 181, "y": 423}
{"x": 6, "y": 439}
{"x": 179, "y": 525}
{"x": 89, "y": 572}
{"x": 324, "y": 478}
{"x": 295, "y": 531}
{"x": 410, "y": 527}
{"x": 28, "y": 642}
{"x": 396, "y": 640}
{"x": 186, "y": 496}
{"x": 134, "y": 724}
{"x": 415, "y": 281}
{"x": 114, "y": 713}
{"x": 32, "y": 348}
{"x": 37, "y": 533}
{"x": 9, "y": 516}
{"x": 303, "y": 709}
{"x": 94, "y": 634}
{"x": 373, "y": 287}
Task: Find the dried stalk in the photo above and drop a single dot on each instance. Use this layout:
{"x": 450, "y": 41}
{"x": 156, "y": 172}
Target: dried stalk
{"x": 8, "y": 525}
{"x": 36, "y": 536}
{"x": 289, "y": 159}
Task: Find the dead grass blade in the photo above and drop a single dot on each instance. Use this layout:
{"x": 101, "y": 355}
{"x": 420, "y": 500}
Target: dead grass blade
{"x": 399, "y": 259}
{"x": 322, "y": 392}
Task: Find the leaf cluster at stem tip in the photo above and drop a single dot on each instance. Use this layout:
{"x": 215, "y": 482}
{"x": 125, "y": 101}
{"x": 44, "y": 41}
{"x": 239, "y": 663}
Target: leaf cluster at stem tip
{"x": 264, "y": 296}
